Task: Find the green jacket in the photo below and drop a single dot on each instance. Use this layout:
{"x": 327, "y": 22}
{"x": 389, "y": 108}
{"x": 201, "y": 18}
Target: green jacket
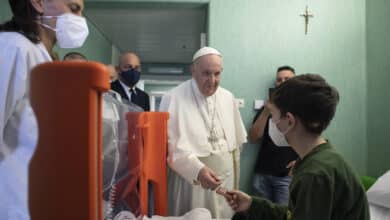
{"x": 323, "y": 187}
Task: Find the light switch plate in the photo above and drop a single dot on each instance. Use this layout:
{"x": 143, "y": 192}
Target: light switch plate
{"x": 258, "y": 104}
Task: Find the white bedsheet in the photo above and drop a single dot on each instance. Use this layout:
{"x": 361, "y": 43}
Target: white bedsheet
{"x": 195, "y": 214}
{"x": 379, "y": 198}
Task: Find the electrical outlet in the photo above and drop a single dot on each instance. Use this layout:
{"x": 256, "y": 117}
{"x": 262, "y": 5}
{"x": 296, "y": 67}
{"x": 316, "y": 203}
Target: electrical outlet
{"x": 240, "y": 103}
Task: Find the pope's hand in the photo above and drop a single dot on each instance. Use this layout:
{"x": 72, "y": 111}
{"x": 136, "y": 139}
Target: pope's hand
{"x": 208, "y": 179}
{"x": 239, "y": 201}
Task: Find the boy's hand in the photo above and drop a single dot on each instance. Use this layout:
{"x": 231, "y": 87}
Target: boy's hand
{"x": 238, "y": 201}
{"x": 223, "y": 192}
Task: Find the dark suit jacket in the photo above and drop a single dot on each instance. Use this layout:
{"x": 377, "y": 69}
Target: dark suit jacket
{"x": 141, "y": 99}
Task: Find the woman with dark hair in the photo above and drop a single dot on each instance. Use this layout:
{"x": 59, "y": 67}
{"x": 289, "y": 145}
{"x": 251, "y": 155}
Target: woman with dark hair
{"x": 27, "y": 40}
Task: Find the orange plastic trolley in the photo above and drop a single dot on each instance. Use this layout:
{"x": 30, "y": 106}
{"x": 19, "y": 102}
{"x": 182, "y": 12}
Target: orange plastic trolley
{"x": 148, "y": 150}
{"x": 65, "y": 173}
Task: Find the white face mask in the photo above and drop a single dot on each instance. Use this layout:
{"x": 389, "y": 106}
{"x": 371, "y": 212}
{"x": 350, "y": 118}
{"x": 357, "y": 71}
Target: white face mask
{"x": 277, "y": 136}
{"x": 71, "y": 30}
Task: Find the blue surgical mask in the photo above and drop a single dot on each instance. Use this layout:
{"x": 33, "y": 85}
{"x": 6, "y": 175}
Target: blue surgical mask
{"x": 130, "y": 77}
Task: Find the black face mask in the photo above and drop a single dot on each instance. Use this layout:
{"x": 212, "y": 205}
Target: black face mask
{"x": 130, "y": 77}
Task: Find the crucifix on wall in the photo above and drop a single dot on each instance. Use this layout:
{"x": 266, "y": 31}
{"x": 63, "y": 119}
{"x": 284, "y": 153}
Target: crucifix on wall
{"x": 307, "y": 16}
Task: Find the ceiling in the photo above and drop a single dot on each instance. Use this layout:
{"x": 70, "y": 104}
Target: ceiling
{"x": 158, "y": 33}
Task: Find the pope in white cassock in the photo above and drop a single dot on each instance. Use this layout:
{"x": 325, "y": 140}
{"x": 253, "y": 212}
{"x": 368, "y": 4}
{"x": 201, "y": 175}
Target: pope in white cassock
{"x": 205, "y": 136}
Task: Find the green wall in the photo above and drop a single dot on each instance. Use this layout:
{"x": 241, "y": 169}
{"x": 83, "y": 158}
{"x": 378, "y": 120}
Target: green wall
{"x": 96, "y": 47}
{"x": 378, "y": 89}
{"x": 257, "y": 36}
{"x": 5, "y": 11}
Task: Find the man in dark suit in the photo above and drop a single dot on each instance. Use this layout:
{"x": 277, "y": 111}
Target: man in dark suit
{"x": 129, "y": 69}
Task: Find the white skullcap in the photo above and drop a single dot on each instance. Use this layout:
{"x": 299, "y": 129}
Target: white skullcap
{"x": 205, "y": 51}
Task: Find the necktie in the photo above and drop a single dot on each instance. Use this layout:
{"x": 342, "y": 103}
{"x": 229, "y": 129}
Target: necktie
{"x": 132, "y": 95}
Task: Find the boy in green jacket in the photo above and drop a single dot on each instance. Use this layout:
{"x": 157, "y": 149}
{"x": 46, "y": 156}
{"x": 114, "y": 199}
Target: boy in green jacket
{"x": 324, "y": 186}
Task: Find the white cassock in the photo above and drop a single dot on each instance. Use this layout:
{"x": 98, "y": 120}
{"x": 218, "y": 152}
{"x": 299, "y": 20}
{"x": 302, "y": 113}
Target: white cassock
{"x": 202, "y": 131}
{"x": 18, "y": 127}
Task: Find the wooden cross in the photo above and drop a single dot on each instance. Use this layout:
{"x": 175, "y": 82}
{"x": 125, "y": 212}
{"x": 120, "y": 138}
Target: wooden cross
{"x": 307, "y": 16}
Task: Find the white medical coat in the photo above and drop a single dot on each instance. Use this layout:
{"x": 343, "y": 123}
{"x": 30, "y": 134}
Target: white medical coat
{"x": 18, "y": 127}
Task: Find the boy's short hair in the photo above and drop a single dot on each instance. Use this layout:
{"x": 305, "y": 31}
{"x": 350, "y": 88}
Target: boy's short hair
{"x": 310, "y": 98}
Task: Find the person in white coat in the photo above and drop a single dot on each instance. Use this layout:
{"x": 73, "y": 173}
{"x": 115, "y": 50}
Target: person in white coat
{"x": 27, "y": 40}
{"x": 205, "y": 134}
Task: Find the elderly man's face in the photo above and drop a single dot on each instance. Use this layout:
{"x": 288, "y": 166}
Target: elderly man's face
{"x": 129, "y": 61}
{"x": 207, "y": 72}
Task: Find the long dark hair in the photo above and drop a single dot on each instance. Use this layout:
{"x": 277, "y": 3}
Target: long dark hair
{"x": 23, "y": 20}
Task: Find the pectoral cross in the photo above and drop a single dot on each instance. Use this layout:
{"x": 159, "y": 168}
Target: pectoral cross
{"x": 213, "y": 139}
{"x": 307, "y": 16}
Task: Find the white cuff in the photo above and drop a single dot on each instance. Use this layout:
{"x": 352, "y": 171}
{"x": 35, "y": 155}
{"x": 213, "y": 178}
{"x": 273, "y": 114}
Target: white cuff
{"x": 188, "y": 167}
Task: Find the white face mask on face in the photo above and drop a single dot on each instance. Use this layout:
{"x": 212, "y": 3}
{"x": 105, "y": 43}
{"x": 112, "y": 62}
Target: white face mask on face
{"x": 71, "y": 30}
{"x": 277, "y": 136}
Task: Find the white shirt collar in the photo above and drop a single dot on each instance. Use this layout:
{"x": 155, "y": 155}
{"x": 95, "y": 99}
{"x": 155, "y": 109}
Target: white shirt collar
{"x": 127, "y": 89}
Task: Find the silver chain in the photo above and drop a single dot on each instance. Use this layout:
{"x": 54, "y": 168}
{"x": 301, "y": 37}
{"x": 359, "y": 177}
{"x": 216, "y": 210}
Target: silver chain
{"x": 212, "y": 137}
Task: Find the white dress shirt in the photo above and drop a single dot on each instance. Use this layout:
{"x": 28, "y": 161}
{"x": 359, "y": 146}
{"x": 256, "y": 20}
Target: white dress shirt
{"x": 127, "y": 89}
